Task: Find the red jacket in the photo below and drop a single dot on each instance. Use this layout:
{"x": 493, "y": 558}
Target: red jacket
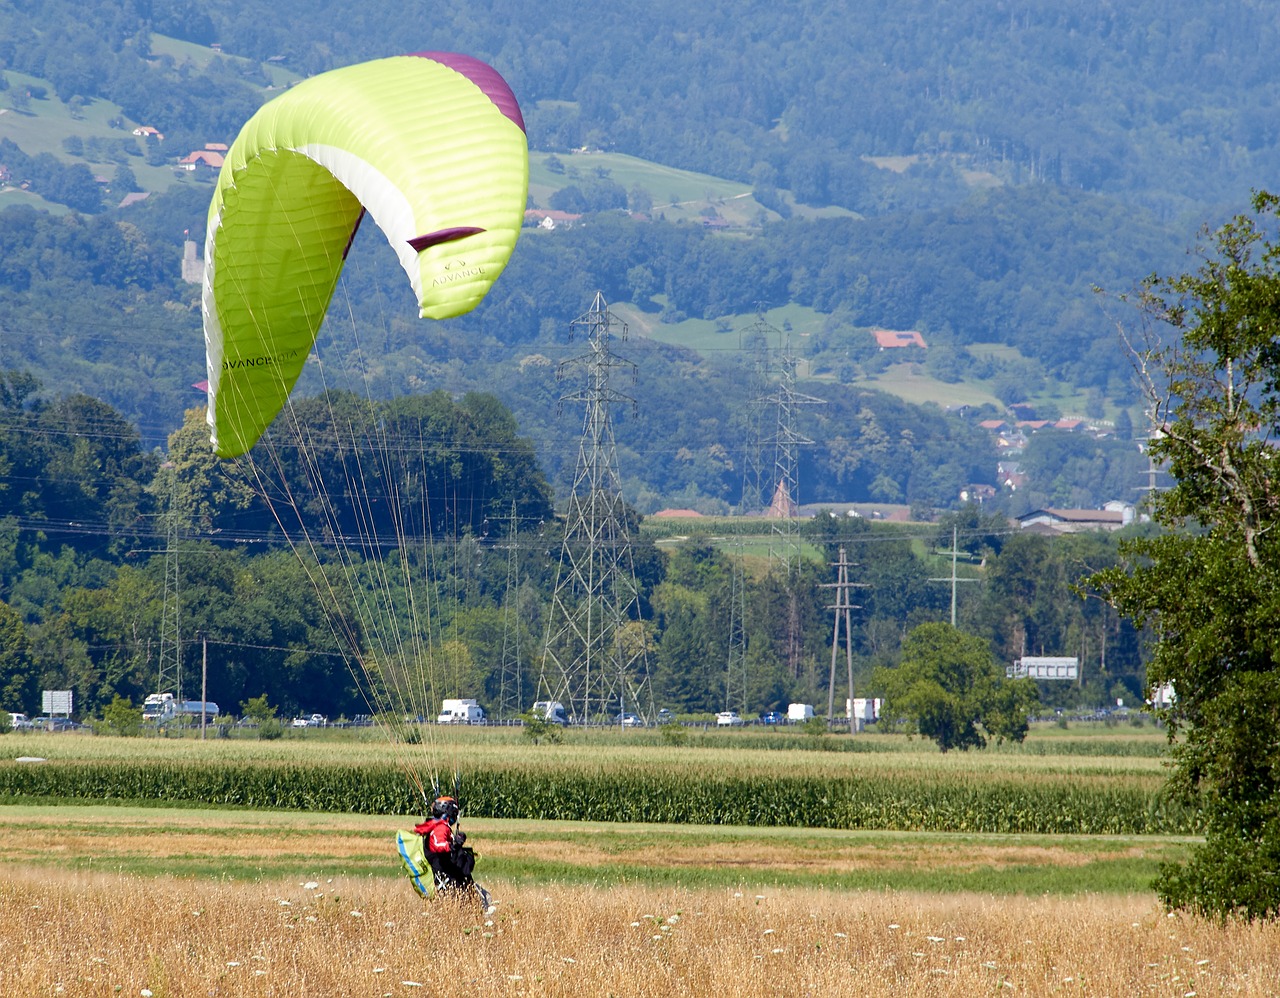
{"x": 438, "y": 834}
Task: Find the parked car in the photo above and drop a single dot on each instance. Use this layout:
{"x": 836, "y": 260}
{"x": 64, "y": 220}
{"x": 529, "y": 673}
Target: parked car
{"x": 20, "y": 722}
{"x": 773, "y": 717}
{"x": 55, "y": 724}
{"x": 728, "y": 718}
{"x": 628, "y": 720}
{"x": 665, "y": 716}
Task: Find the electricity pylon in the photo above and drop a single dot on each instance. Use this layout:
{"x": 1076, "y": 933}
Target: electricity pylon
{"x": 595, "y": 658}
{"x": 843, "y": 608}
{"x": 787, "y": 442}
{"x": 735, "y": 680}
{"x": 756, "y": 338}
{"x": 510, "y": 681}
{"x": 786, "y": 491}
{"x": 170, "y": 673}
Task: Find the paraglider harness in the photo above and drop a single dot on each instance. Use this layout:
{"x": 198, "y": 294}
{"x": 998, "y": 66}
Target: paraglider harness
{"x": 450, "y": 859}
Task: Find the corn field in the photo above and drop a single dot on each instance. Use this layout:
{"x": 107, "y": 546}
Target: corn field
{"x": 900, "y": 803}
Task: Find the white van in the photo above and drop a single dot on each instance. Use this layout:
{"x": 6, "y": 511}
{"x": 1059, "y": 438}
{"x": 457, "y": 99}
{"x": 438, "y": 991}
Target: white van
{"x": 460, "y": 712}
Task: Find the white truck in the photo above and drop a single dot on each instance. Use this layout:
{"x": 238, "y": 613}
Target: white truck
{"x": 865, "y": 709}
{"x": 173, "y": 709}
{"x": 550, "y": 710}
{"x": 460, "y": 712}
{"x": 153, "y": 706}
{"x": 799, "y": 712}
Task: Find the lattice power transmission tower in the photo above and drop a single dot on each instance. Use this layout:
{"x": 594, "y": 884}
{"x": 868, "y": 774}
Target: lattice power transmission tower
{"x": 757, "y": 340}
{"x": 787, "y": 441}
{"x": 170, "y": 673}
{"x": 785, "y": 543}
{"x": 511, "y": 678}
{"x": 735, "y": 680}
{"x": 595, "y": 660}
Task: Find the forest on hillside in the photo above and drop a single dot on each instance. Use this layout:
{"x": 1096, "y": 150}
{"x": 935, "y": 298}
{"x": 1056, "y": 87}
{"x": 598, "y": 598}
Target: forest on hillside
{"x": 1168, "y": 104}
{"x": 999, "y": 163}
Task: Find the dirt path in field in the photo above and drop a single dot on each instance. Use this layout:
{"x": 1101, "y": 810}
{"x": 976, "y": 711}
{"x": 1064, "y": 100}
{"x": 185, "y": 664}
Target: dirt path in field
{"x": 107, "y": 837}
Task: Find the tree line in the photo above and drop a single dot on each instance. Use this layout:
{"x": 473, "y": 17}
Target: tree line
{"x": 88, "y": 517}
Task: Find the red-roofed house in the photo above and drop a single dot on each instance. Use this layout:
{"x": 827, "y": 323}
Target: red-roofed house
{"x": 201, "y": 157}
{"x": 147, "y": 132}
{"x": 891, "y": 338}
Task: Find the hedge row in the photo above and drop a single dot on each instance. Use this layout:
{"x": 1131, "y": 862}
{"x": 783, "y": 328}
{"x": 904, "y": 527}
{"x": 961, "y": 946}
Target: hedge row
{"x": 901, "y": 804}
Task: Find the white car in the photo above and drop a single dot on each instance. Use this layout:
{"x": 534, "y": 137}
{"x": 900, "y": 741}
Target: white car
{"x": 728, "y": 718}
{"x": 20, "y": 722}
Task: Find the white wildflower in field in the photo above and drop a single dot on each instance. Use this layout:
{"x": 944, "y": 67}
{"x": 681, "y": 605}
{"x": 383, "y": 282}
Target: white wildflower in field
{"x": 842, "y": 935}
{"x": 411, "y": 984}
{"x": 935, "y": 939}
{"x": 357, "y": 914}
{"x": 894, "y": 925}
{"x": 310, "y": 885}
{"x": 233, "y": 963}
{"x": 145, "y": 992}
{"x": 635, "y": 925}
{"x": 568, "y": 959}
{"x": 768, "y": 932}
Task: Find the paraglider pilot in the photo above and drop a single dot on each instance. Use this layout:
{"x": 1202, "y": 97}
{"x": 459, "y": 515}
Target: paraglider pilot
{"x": 445, "y": 847}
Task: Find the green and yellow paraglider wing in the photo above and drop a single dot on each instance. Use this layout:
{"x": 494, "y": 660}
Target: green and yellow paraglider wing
{"x": 431, "y": 146}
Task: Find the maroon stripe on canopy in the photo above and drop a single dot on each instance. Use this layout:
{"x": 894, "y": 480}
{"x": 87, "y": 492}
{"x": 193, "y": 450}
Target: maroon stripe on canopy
{"x": 442, "y": 236}
{"x": 483, "y": 76}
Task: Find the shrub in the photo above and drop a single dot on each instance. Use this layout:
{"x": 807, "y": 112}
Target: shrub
{"x": 271, "y": 728}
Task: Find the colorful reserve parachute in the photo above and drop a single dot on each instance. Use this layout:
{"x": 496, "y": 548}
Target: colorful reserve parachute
{"x": 431, "y": 145}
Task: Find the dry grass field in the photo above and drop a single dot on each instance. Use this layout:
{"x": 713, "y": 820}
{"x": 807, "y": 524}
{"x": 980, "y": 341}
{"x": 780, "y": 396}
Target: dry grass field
{"x": 110, "y": 934}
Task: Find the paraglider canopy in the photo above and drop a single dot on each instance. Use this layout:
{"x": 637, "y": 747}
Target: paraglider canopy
{"x": 431, "y": 145}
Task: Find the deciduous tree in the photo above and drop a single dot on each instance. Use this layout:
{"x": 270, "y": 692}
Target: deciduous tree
{"x": 1208, "y": 353}
{"x": 949, "y": 686}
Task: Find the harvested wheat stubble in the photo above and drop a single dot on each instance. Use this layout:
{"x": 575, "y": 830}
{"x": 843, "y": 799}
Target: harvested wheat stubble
{"x": 115, "y": 935}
